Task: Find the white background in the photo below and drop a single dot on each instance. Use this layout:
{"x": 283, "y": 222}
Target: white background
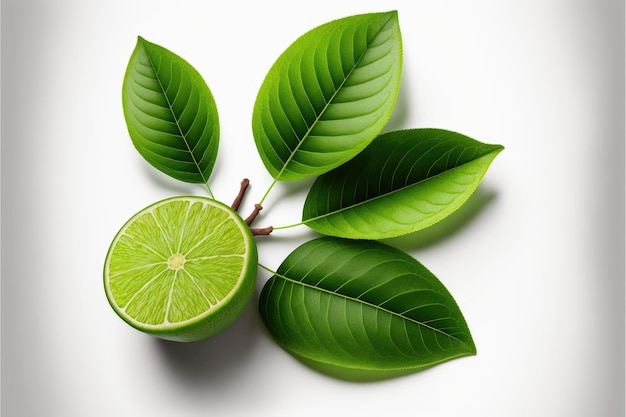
{"x": 535, "y": 259}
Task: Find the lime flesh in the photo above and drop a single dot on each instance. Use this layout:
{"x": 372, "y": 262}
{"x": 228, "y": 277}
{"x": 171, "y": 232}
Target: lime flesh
{"x": 181, "y": 269}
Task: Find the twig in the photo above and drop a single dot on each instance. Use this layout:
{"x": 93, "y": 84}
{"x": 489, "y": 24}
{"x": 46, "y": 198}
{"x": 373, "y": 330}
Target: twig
{"x": 242, "y": 192}
{"x": 265, "y": 231}
{"x": 255, "y": 212}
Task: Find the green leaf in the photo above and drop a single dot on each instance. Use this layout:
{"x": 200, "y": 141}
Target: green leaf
{"x": 328, "y": 95}
{"x": 403, "y": 182}
{"x": 362, "y": 310}
{"x": 170, "y": 113}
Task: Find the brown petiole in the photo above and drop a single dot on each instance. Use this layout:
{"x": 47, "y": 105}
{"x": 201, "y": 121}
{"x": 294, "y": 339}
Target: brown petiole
{"x": 257, "y": 208}
{"x": 265, "y": 231}
{"x": 242, "y": 192}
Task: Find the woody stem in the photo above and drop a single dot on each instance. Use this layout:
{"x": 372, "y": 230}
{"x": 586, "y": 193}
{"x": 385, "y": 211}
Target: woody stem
{"x": 242, "y": 193}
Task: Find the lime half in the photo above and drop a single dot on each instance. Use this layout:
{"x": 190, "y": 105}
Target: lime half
{"x": 181, "y": 269}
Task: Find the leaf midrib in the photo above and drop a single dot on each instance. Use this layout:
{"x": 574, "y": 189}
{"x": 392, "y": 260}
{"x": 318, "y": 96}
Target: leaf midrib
{"x": 387, "y": 194}
{"x": 176, "y": 121}
{"x": 328, "y": 103}
{"x": 377, "y": 307}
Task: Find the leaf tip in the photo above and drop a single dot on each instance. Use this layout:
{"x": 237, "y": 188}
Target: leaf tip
{"x": 392, "y": 15}
{"x": 471, "y": 345}
{"x": 497, "y": 149}
{"x": 141, "y": 41}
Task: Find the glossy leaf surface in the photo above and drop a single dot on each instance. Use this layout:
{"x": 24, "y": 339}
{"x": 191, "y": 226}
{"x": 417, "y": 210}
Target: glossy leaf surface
{"x": 328, "y": 95}
{"x": 170, "y": 113}
{"x": 362, "y": 310}
{"x": 403, "y": 182}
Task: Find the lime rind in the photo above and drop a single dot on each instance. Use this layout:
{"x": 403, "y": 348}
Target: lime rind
{"x": 182, "y": 268}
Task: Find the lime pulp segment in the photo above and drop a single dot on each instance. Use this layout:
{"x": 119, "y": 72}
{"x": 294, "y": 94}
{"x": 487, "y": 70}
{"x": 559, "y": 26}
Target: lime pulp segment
{"x": 177, "y": 262}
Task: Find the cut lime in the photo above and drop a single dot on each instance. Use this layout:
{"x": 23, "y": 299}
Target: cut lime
{"x": 181, "y": 269}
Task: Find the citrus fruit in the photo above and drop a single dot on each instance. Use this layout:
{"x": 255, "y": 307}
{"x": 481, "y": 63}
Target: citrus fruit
{"x": 182, "y": 269}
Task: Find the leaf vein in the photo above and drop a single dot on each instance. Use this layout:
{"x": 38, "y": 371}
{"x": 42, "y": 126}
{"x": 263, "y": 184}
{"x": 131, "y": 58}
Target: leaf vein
{"x": 391, "y": 312}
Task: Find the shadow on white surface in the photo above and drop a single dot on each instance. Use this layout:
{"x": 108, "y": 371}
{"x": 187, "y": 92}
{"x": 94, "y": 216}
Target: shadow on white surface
{"x": 217, "y": 359}
{"x": 171, "y": 185}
